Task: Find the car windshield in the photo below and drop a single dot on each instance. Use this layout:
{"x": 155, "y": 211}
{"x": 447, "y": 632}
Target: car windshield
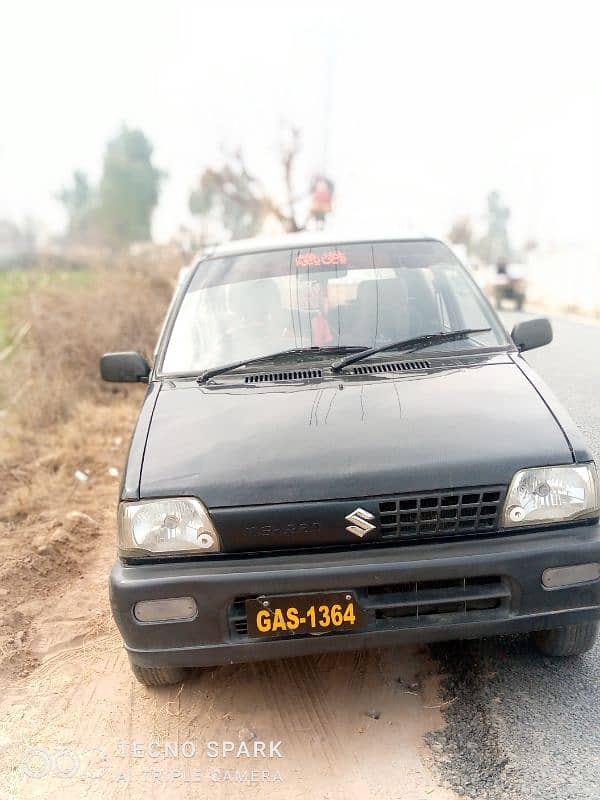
{"x": 359, "y": 295}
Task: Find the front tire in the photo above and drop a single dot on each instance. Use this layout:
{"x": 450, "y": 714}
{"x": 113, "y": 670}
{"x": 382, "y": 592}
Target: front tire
{"x": 159, "y": 676}
{"x": 573, "y": 640}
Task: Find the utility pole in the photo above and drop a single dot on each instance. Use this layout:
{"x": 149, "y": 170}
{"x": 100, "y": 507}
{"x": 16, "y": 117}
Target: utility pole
{"x": 322, "y": 186}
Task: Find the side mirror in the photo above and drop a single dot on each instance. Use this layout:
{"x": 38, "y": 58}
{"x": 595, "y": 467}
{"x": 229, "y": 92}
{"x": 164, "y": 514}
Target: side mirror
{"x": 129, "y": 367}
{"x": 532, "y": 333}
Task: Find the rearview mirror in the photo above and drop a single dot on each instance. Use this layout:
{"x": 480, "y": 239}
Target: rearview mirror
{"x": 532, "y": 333}
{"x": 128, "y": 367}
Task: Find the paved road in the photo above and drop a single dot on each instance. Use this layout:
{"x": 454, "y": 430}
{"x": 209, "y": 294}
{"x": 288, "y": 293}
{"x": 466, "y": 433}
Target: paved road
{"x": 522, "y": 725}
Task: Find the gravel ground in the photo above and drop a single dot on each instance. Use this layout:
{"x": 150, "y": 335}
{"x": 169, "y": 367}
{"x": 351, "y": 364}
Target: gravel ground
{"x": 519, "y": 724}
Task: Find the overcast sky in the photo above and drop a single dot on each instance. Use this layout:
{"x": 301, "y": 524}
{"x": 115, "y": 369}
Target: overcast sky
{"x": 432, "y": 104}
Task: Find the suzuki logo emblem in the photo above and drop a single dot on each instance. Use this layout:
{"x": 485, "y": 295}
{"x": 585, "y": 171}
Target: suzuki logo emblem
{"x": 360, "y": 522}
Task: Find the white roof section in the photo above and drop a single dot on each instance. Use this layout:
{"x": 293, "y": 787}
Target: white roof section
{"x": 308, "y": 239}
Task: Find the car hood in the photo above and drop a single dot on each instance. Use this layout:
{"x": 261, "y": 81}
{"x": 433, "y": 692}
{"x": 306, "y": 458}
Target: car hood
{"x": 347, "y": 438}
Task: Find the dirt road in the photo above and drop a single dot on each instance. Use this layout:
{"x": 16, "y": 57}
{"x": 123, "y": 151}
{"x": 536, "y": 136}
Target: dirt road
{"x": 75, "y": 724}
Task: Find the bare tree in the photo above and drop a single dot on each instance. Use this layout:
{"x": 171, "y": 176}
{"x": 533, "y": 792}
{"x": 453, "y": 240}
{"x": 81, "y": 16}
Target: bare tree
{"x": 461, "y": 232}
{"x": 238, "y": 198}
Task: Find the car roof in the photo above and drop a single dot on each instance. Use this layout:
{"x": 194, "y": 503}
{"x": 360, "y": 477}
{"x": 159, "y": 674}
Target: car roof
{"x": 306, "y": 239}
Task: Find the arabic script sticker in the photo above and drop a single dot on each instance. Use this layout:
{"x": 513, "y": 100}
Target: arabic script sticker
{"x": 328, "y": 258}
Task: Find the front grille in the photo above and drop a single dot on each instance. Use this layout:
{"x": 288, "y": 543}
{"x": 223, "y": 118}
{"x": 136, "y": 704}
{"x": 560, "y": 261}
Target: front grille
{"x": 390, "y": 366}
{"x": 238, "y": 621}
{"x": 431, "y": 599}
{"x": 441, "y": 514}
{"x": 404, "y": 605}
{"x": 288, "y": 375}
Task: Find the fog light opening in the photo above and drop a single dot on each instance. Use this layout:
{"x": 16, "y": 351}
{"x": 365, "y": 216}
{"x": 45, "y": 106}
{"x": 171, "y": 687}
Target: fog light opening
{"x": 556, "y": 577}
{"x": 170, "y": 609}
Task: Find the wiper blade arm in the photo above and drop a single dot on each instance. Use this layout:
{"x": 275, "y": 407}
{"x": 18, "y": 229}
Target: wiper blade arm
{"x": 409, "y": 344}
{"x": 210, "y": 373}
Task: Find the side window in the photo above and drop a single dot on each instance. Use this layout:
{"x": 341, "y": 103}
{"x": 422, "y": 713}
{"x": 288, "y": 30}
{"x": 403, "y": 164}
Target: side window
{"x": 471, "y": 310}
{"x": 432, "y": 304}
{"x": 443, "y": 311}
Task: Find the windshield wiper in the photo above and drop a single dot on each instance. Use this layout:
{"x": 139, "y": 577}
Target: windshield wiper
{"x": 416, "y": 343}
{"x": 210, "y": 373}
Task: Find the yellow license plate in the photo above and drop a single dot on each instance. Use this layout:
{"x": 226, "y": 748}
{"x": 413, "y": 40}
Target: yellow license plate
{"x": 314, "y": 613}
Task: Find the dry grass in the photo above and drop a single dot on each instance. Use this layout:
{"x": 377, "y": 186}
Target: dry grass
{"x": 70, "y": 326}
{"x": 57, "y": 417}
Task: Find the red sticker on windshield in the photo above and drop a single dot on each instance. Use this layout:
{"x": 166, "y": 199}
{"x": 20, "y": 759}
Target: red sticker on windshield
{"x": 329, "y": 258}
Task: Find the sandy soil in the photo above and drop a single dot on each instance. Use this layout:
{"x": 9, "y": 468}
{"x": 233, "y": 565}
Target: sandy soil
{"x": 75, "y": 724}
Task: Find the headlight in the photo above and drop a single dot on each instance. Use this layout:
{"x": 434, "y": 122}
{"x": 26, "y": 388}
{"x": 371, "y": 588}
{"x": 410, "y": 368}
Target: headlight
{"x": 171, "y": 525}
{"x": 551, "y": 494}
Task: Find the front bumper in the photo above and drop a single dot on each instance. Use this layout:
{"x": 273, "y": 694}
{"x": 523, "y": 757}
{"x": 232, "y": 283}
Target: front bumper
{"x": 515, "y": 562}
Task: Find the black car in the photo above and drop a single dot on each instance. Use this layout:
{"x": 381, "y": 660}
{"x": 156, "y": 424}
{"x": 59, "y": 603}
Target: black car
{"x": 341, "y": 447}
